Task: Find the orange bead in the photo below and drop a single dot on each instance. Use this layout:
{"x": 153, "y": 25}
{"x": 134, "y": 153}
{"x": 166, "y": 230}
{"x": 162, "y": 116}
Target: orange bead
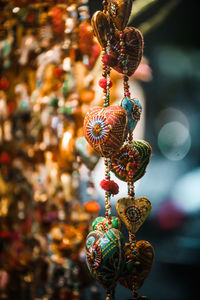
{"x": 87, "y": 96}
{"x": 92, "y": 207}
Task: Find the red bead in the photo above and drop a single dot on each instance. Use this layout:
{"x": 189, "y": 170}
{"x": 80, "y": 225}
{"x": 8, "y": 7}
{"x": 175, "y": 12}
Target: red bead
{"x": 103, "y": 83}
{"x": 128, "y": 94}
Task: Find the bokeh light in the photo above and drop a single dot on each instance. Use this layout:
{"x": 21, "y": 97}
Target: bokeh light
{"x": 174, "y": 140}
{"x": 186, "y": 192}
{"x": 171, "y": 114}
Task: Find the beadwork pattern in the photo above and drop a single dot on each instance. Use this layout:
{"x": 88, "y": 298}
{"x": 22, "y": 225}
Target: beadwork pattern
{"x": 133, "y": 212}
{"x": 101, "y": 223}
{"x": 106, "y": 129}
{"x": 110, "y": 248}
{"x": 141, "y": 152}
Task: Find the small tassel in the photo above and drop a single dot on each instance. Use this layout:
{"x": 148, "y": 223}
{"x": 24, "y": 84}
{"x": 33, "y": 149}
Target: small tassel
{"x": 110, "y": 186}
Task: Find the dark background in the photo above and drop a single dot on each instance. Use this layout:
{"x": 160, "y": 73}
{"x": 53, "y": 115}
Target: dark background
{"x": 172, "y": 49}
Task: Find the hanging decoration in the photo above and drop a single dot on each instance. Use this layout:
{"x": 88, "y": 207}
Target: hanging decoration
{"x": 109, "y": 130}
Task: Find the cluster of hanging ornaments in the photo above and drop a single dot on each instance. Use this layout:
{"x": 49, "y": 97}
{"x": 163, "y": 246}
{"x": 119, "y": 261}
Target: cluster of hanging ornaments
{"x": 109, "y": 130}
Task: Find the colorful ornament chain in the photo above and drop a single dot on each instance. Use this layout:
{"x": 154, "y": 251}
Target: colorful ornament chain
{"x": 109, "y": 130}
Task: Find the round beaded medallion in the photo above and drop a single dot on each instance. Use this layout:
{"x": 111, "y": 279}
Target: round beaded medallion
{"x": 139, "y": 152}
{"x": 98, "y": 130}
{"x": 121, "y": 159}
{"x": 94, "y": 256}
{"x": 133, "y": 214}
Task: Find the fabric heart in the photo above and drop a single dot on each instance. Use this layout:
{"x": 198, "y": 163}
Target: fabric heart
{"x": 105, "y": 256}
{"x": 133, "y": 212}
{"x": 138, "y": 156}
{"x": 120, "y": 11}
{"x": 133, "y": 108}
{"x": 101, "y": 223}
{"x": 106, "y": 129}
{"x": 133, "y": 49}
{"x": 140, "y": 268}
{"x": 102, "y": 28}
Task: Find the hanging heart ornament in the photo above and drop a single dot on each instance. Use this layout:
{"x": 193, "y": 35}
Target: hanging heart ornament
{"x": 133, "y": 108}
{"x": 105, "y": 256}
{"x": 133, "y": 212}
{"x": 101, "y": 27}
{"x": 141, "y": 265}
{"x": 120, "y": 11}
{"x": 133, "y": 49}
{"x": 136, "y": 159}
{"x": 106, "y": 129}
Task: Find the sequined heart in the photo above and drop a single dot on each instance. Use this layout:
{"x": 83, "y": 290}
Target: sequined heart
{"x": 105, "y": 256}
{"x": 133, "y": 50}
{"x": 141, "y": 265}
{"x": 101, "y": 27}
{"x": 133, "y": 108}
{"x": 120, "y": 11}
{"x": 106, "y": 129}
{"x": 133, "y": 212}
{"x": 135, "y": 160}
{"x": 101, "y": 223}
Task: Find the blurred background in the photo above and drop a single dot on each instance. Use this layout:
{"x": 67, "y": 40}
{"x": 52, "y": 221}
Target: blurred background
{"x": 167, "y": 83}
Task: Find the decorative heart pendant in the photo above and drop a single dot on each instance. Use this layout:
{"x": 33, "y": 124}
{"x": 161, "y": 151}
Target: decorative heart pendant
{"x": 105, "y": 256}
{"x": 133, "y": 49}
{"x": 101, "y": 27}
{"x": 101, "y": 223}
{"x": 120, "y": 11}
{"x": 140, "y": 155}
{"x": 106, "y": 129}
{"x": 133, "y": 212}
{"x": 143, "y": 259}
{"x": 133, "y": 108}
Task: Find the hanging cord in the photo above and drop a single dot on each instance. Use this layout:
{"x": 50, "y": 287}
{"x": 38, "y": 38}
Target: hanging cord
{"x": 106, "y": 98}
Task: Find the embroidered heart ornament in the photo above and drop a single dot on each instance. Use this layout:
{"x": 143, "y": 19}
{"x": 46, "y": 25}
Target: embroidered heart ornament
{"x": 105, "y": 256}
{"x": 133, "y": 212}
{"x": 133, "y": 49}
{"x": 133, "y": 108}
{"x": 141, "y": 267}
{"x": 120, "y": 11}
{"x": 106, "y": 129}
{"x": 101, "y": 223}
{"x": 103, "y": 28}
{"x": 135, "y": 160}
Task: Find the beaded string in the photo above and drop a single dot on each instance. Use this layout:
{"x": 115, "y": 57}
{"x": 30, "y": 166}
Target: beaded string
{"x": 105, "y": 5}
{"x": 124, "y": 65}
{"x": 107, "y": 194}
{"x": 107, "y": 162}
{"x": 106, "y": 98}
{"x": 131, "y": 165}
{"x": 130, "y": 168}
